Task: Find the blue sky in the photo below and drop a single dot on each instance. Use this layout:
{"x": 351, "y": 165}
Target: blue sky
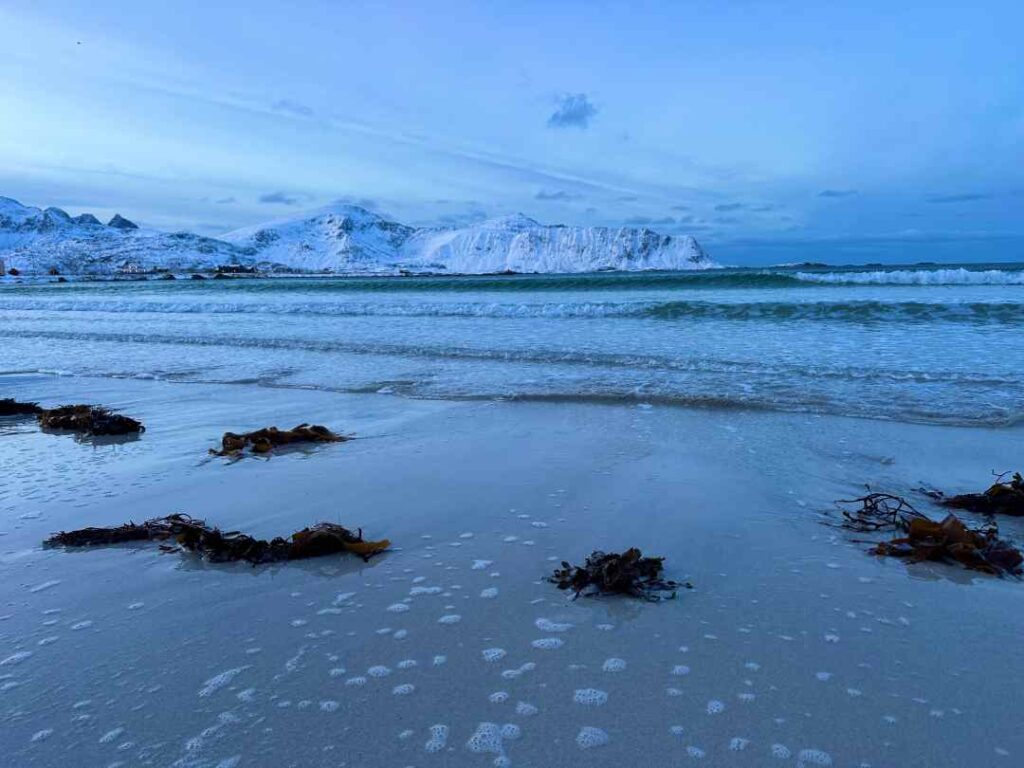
{"x": 772, "y": 131}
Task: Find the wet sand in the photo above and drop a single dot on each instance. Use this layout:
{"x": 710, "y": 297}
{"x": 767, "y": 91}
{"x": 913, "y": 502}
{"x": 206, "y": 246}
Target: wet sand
{"x": 793, "y": 648}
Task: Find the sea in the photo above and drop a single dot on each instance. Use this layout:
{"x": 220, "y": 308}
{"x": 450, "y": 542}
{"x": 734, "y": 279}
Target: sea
{"x": 925, "y": 343}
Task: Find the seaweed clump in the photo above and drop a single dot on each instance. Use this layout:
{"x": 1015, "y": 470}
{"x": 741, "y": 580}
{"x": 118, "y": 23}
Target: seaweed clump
{"x": 88, "y": 420}
{"x": 629, "y": 573}
{"x": 215, "y": 545}
{"x": 949, "y": 540}
{"x": 265, "y": 440}
{"x": 1001, "y": 498}
{"x": 11, "y": 407}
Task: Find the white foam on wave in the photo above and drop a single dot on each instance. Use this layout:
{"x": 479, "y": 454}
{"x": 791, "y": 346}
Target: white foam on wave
{"x": 959, "y": 276}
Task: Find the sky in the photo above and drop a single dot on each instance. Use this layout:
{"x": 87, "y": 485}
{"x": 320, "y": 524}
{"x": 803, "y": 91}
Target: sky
{"x": 771, "y": 131}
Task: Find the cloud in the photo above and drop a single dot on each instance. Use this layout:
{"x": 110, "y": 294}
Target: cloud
{"x": 225, "y": 201}
{"x": 627, "y": 199}
{"x": 292, "y": 108}
{"x": 363, "y": 202}
{"x": 557, "y": 195}
{"x": 729, "y": 206}
{"x": 574, "y": 111}
{"x": 680, "y": 207}
{"x": 837, "y": 193}
{"x": 646, "y": 221}
{"x": 967, "y": 197}
{"x": 278, "y": 198}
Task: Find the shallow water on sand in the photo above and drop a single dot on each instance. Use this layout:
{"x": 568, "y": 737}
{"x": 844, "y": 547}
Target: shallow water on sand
{"x": 794, "y": 647}
{"x": 931, "y": 345}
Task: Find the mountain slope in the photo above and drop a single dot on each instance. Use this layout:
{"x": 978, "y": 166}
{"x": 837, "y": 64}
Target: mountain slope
{"x": 35, "y": 241}
{"x": 348, "y": 238}
{"x": 340, "y": 239}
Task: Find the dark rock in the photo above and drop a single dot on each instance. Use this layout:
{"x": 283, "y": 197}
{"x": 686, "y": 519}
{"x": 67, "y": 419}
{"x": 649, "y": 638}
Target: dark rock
{"x": 87, "y": 218}
{"x": 120, "y": 222}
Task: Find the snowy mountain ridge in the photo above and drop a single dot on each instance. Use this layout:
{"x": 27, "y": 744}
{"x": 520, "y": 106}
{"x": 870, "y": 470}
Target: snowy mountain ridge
{"x": 340, "y": 239}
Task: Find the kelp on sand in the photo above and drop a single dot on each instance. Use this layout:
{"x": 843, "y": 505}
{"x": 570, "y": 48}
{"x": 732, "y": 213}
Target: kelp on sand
{"x": 1001, "y": 498}
{"x": 88, "y": 420}
{"x": 11, "y": 407}
{"x": 263, "y": 441}
{"x": 949, "y": 540}
{"x": 629, "y": 573}
{"x": 220, "y": 546}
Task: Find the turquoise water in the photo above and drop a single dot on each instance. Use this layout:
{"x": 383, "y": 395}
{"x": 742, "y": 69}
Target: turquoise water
{"x": 929, "y": 343}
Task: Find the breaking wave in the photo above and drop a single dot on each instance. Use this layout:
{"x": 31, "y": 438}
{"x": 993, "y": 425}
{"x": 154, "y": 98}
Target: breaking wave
{"x": 835, "y": 311}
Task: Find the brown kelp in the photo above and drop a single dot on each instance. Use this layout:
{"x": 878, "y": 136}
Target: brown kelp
{"x": 215, "y": 545}
{"x": 11, "y": 407}
{"x": 949, "y": 540}
{"x": 1003, "y": 497}
{"x": 88, "y": 420}
{"x": 629, "y": 573}
{"x": 263, "y": 441}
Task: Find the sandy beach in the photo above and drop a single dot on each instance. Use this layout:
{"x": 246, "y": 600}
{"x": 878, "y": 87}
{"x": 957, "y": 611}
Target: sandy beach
{"x": 793, "y": 648}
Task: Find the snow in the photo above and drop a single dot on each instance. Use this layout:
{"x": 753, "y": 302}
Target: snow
{"x": 342, "y": 239}
{"x": 348, "y": 238}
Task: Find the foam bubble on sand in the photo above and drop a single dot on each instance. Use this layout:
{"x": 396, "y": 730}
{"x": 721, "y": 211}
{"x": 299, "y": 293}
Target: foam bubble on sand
{"x": 438, "y": 738}
{"x": 358, "y": 680}
{"x": 780, "y": 751}
{"x": 218, "y": 681}
{"x": 746, "y": 697}
{"x": 81, "y": 625}
{"x": 135, "y": 606}
{"x": 680, "y": 670}
{"x": 45, "y": 585}
{"x": 511, "y": 731}
{"x": 613, "y": 665}
{"x": 489, "y": 593}
{"x": 676, "y": 730}
{"x": 407, "y": 664}
{"x": 548, "y": 643}
{"x": 547, "y": 625}
{"x": 406, "y": 734}
{"x": 439, "y": 660}
{"x": 498, "y": 697}
{"x": 486, "y": 739}
{"x": 494, "y": 654}
{"x": 673, "y": 692}
{"x": 590, "y": 737}
{"x": 450, "y": 618}
{"x": 328, "y": 705}
{"x": 715, "y": 707}
{"x": 738, "y": 743}
{"x": 378, "y": 670}
{"x": 109, "y": 736}
{"x": 398, "y": 608}
{"x": 343, "y": 597}
{"x": 809, "y": 757}
{"x": 525, "y": 709}
{"x": 831, "y": 638}
{"x": 695, "y": 752}
{"x": 479, "y": 565}
{"x": 400, "y": 634}
{"x": 590, "y": 697}
{"x": 337, "y": 672}
{"x": 42, "y": 735}
{"x": 248, "y": 695}
{"x": 15, "y": 658}
{"x": 753, "y": 666}
{"x": 404, "y": 689}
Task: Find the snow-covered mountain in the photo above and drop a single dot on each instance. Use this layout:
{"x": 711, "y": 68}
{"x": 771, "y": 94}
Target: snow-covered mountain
{"x": 36, "y": 241}
{"x": 346, "y": 238}
{"x": 341, "y": 239}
